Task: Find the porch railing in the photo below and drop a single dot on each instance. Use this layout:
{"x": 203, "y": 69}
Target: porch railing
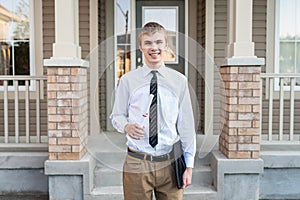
{"x": 21, "y": 98}
{"x": 279, "y": 101}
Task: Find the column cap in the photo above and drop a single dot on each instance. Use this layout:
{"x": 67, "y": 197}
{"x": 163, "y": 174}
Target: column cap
{"x": 243, "y": 61}
{"x": 66, "y": 61}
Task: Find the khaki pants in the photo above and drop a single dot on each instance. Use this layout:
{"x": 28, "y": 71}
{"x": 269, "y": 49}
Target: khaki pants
{"x": 142, "y": 177}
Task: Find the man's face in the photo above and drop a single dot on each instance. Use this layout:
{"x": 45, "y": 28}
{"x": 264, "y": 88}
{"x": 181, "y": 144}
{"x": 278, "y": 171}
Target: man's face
{"x": 153, "y": 47}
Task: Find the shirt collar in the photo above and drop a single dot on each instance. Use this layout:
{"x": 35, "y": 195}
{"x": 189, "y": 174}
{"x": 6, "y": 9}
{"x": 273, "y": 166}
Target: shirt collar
{"x": 147, "y": 70}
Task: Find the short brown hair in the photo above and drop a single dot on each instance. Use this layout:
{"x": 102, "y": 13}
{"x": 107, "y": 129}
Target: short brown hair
{"x": 151, "y": 28}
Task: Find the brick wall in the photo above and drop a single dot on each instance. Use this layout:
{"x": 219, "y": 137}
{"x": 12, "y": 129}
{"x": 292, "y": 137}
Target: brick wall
{"x": 240, "y": 135}
{"x": 67, "y": 112}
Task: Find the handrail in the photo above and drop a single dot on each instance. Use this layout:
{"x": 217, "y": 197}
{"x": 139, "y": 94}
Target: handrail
{"x": 276, "y": 75}
{"x": 22, "y": 77}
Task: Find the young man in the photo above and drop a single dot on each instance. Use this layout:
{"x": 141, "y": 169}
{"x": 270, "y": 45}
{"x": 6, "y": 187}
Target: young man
{"x": 153, "y": 108}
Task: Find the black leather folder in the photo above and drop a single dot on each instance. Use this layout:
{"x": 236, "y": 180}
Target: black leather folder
{"x": 179, "y": 163}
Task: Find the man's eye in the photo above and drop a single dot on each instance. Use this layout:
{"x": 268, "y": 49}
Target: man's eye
{"x": 159, "y": 42}
{"x": 147, "y": 43}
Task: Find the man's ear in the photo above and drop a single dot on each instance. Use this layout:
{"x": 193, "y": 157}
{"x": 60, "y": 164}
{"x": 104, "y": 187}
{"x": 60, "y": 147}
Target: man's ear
{"x": 140, "y": 48}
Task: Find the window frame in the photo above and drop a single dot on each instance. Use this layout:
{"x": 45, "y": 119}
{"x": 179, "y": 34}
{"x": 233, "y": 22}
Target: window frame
{"x": 272, "y": 50}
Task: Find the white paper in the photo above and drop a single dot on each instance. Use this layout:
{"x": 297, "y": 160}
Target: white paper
{"x": 145, "y": 115}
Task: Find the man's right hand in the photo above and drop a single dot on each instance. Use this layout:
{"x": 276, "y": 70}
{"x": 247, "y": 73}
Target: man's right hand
{"x": 135, "y": 131}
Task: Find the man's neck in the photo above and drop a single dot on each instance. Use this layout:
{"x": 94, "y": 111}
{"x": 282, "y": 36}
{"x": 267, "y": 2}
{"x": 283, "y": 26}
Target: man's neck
{"x": 154, "y": 65}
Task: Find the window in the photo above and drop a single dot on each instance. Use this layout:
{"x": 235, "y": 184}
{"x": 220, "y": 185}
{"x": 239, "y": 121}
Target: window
{"x": 287, "y": 38}
{"x": 15, "y": 37}
{"x": 123, "y": 35}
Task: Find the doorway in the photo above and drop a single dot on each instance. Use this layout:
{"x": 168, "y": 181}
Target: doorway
{"x": 169, "y": 14}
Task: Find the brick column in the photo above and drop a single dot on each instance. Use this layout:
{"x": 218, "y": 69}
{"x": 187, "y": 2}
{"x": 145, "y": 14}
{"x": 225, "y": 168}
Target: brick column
{"x": 240, "y": 135}
{"x": 67, "y": 112}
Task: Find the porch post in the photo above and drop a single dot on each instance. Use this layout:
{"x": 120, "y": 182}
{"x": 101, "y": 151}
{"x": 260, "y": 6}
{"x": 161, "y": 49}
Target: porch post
{"x": 69, "y": 166}
{"x": 239, "y": 25}
{"x": 66, "y": 29}
{"x": 237, "y": 166}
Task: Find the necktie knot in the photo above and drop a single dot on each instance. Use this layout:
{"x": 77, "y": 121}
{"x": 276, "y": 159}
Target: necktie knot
{"x": 153, "y": 72}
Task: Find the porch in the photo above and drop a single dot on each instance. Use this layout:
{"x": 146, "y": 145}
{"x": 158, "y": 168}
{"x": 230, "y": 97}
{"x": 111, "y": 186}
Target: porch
{"x": 24, "y": 103}
{"x": 24, "y": 112}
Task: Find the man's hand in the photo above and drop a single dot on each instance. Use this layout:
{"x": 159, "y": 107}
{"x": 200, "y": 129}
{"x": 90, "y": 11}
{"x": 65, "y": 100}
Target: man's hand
{"x": 135, "y": 131}
{"x": 187, "y": 177}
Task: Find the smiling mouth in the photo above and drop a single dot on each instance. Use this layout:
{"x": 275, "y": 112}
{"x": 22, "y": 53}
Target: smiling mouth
{"x": 154, "y": 54}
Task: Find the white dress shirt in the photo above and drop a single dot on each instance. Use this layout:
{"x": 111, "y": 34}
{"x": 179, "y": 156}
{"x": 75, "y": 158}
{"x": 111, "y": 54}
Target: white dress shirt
{"x": 175, "y": 112}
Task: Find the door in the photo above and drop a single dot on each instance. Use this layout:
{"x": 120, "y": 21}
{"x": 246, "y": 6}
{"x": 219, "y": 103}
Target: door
{"x": 170, "y": 14}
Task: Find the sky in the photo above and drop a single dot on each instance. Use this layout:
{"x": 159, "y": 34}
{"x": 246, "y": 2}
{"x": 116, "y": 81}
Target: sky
{"x": 9, "y": 4}
{"x": 125, "y": 5}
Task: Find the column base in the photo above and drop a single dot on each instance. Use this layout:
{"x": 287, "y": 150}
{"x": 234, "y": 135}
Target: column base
{"x": 236, "y": 179}
{"x": 70, "y": 179}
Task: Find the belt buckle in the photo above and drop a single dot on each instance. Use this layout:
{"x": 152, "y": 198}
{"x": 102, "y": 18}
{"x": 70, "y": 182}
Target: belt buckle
{"x": 151, "y": 158}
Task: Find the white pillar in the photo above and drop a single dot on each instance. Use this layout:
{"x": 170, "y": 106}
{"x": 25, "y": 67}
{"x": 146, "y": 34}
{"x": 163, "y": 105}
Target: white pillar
{"x": 240, "y": 29}
{"x": 66, "y": 29}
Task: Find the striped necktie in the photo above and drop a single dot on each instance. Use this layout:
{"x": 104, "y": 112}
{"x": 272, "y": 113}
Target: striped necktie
{"x": 153, "y": 111}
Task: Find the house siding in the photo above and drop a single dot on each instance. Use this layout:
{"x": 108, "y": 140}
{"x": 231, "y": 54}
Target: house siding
{"x": 220, "y": 29}
{"x": 22, "y": 122}
{"x": 102, "y": 62}
{"x": 200, "y": 80}
{"x": 84, "y": 41}
{"x": 48, "y": 28}
{"x": 220, "y": 39}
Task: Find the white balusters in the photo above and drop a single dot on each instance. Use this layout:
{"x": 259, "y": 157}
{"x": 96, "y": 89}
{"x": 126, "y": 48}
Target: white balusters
{"x": 14, "y": 94}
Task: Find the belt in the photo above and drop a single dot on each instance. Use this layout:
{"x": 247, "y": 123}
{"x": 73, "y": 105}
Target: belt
{"x": 151, "y": 158}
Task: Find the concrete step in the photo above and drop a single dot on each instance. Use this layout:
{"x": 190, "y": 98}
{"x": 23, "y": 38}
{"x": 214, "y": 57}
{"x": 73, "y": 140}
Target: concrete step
{"x": 194, "y": 192}
{"x": 112, "y": 176}
{"x": 108, "y": 171}
{"x": 109, "y": 152}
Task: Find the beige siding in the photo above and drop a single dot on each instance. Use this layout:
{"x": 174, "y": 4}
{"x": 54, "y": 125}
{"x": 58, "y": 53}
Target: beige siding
{"x": 259, "y": 28}
{"x": 32, "y": 120}
{"x": 200, "y": 80}
{"x": 48, "y": 28}
{"x": 220, "y": 29}
{"x": 84, "y": 38}
{"x": 84, "y": 27}
{"x": 102, "y": 74}
{"x": 219, "y": 54}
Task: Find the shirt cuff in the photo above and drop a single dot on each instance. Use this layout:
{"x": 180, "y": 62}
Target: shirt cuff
{"x": 189, "y": 161}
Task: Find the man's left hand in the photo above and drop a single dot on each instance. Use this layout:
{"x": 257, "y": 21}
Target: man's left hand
{"x": 187, "y": 177}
